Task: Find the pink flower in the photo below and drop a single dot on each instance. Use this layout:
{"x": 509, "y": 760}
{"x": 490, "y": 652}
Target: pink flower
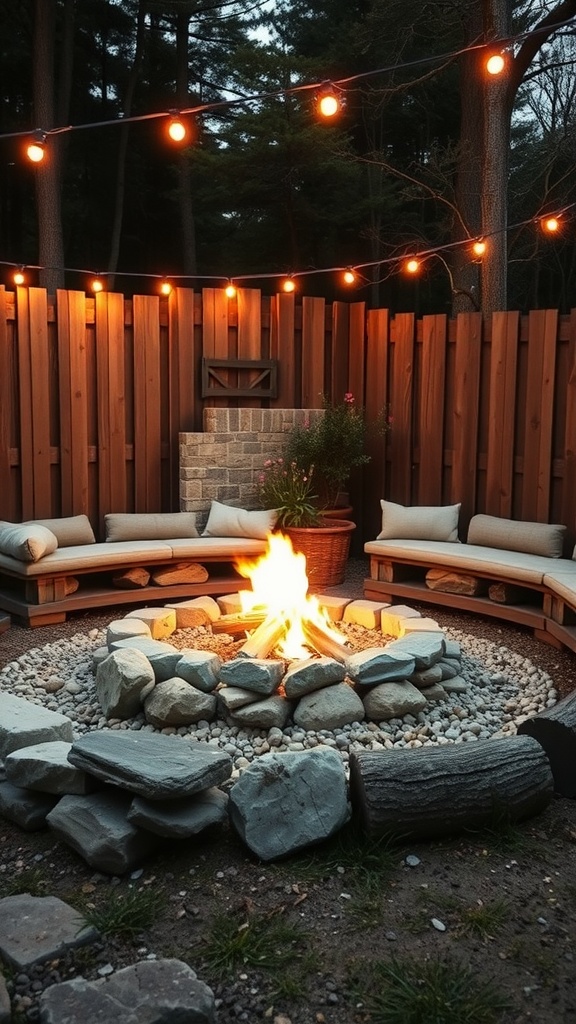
{"x": 349, "y": 398}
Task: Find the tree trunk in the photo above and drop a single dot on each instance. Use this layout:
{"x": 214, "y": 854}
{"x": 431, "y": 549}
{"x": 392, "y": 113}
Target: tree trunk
{"x": 187, "y": 222}
{"x": 555, "y": 730}
{"x": 436, "y": 791}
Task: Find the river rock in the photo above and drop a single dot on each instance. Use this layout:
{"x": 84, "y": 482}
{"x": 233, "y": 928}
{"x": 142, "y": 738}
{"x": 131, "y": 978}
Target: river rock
{"x": 392, "y": 700}
{"x": 201, "y": 668}
{"x": 180, "y": 819}
{"x": 123, "y": 681}
{"x": 329, "y": 708}
{"x": 378, "y": 664}
{"x": 122, "y": 629}
{"x": 273, "y": 712}
{"x": 426, "y": 648}
{"x": 176, "y": 702}
{"x": 23, "y": 723}
{"x": 261, "y": 675}
{"x": 312, "y": 674}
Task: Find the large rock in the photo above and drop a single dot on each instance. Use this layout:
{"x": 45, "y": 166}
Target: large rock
{"x": 162, "y": 656}
{"x": 176, "y": 702}
{"x": 230, "y": 698}
{"x": 379, "y": 664}
{"x": 272, "y": 712}
{"x": 122, "y": 629}
{"x": 148, "y": 992}
{"x": 160, "y": 621}
{"x": 45, "y": 767}
{"x": 312, "y": 674}
{"x": 392, "y": 700}
{"x": 330, "y": 708}
{"x": 284, "y": 802}
{"x": 97, "y": 827}
{"x": 155, "y": 767}
{"x": 39, "y": 928}
{"x": 261, "y": 675}
{"x": 23, "y": 723}
{"x": 180, "y": 819}
{"x": 123, "y": 680}
{"x": 201, "y": 668}
{"x": 426, "y": 648}
{"x": 25, "y": 808}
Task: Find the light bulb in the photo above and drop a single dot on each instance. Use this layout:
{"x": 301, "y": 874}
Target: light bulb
{"x": 551, "y": 224}
{"x": 495, "y": 64}
{"x": 35, "y": 151}
{"x": 165, "y": 287}
{"x": 96, "y": 284}
{"x": 230, "y": 290}
{"x": 412, "y": 266}
{"x": 177, "y": 130}
{"x": 18, "y": 277}
{"x": 349, "y": 277}
{"x": 479, "y": 247}
{"x": 288, "y": 285}
{"x": 328, "y": 104}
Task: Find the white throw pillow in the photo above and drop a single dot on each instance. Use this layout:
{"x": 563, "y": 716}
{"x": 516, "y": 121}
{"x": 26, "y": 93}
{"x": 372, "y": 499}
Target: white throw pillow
{"x": 70, "y": 531}
{"x": 419, "y": 522}
{"x": 514, "y": 535}
{"x": 150, "y": 525}
{"x": 27, "y": 542}
{"x": 229, "y": 521}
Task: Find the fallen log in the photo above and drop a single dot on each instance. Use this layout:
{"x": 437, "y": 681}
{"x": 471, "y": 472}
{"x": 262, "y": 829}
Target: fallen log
{"x": 437, "y": 791}
{"x": 131, "y": 579}
{"x": 555, "y": 731}
{"x": 179, "y": 572}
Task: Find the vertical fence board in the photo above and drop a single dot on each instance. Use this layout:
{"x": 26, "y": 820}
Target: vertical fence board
{"x": 249, "y": 323}
{"x": 542, "y": 328}
{"x": 7, "y": 394}
{"x": 216, "y": 337}
{"x": 313, "y": 354}
{"x": 402, "y": 398}
{"x": 181, "y": 379}
{"x": 377, "y": 351}
{"x": 73, "y": 399}
{"x": 568, "y": 504}
{"x": 147, "y": 420}
{"x": 466, "y": 402}
{"x": 500, "y": 456}
{"x": 432, "y": 385}
{"x": 34, "y": 371}
{"x": 111, "y": 403}
{"x": 283, "y": 348}
{"x": 357, "y": 353}
{"x": 339, "y": 366}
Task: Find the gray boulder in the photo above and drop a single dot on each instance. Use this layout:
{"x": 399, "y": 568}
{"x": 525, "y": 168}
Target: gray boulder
{"x": 176, "y": 702}
{"x": 273, "y": 712}
{"x": 45, "y": 767}
{"x": 180, "y": 819}
{"x": 379, "y": 664}
{"x": 25, "y": 808}
{"x": 200, "y": 668}
{"x": 284, "y": 802}
{"x": 312, "y": 674}
{"x": 97, "y": 827}
{"x": 123, "y": 680}
{"x": 230, "y": 698}
{"x": 155, "y": 767}
{"x": 23, "y": 723}
{"x": 122, "y": 629}
{"x": 425, "y": 648}
{"x": 148, "y": 992}
{"x": 261, "y": 675}
{"x": 39, "y": 928}
{"x": 392, "y": 700}
{"x": 330, "y": 708}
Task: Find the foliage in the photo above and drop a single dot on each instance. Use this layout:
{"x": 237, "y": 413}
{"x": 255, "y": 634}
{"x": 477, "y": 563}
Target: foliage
{"x": 126, "y": 914}
{"x": 436, "y": 992}
{"x": 484, "y": 920}
{"x": 288, "y": 488}
{"x": 334, "y": 443}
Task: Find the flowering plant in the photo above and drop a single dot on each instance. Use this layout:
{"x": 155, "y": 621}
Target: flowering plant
{"x": 287, "y": 487}
{"x": 333, "y": 443}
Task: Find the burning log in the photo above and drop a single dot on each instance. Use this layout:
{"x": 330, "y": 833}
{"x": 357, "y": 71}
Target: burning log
{"x": 239, "y": 622}
{"x": 264, "y": 638}
{"x": 320, "y": 639}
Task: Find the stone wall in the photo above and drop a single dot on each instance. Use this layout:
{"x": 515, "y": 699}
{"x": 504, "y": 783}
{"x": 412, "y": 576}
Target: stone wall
{"x": 223, "y": 461}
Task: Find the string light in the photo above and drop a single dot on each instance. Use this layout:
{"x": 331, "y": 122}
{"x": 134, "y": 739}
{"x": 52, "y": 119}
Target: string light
{"x": 176, "y": 128}
{"x": 479, "y": 247}
{"x": 36, "y": 150}
{"x": 19, "y": 276}
{"x": 412, "y": 266}
{"x": 495, "y": 64}
{"x": 165, "y": 287}
{"x": 230, "y": 290}
{"x": 328, "y": 102}
{"x": 349, "y": 276}
{"x": 551, "y": 224}
{"x": 96, "y": 285}
{"x": 288, "y": 285}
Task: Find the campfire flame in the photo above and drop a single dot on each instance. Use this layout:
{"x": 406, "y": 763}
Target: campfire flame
{"x": 280, "y": 590}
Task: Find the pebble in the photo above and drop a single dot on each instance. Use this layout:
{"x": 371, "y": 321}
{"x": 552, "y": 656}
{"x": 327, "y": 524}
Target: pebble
{"x": 438, "y": 925}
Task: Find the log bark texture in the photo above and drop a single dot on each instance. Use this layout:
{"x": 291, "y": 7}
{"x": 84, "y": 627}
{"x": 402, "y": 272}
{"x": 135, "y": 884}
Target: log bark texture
{"x": 449, "y": 582}
{"x": 437, "y": 791}
{"x": 179, "y": 572}
{"x": 555, "y": 731}
{"x": 131, "y": 579}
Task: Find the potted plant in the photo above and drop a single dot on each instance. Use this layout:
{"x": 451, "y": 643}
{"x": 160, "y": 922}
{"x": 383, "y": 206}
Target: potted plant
{"x": 289, "y": 488}
{"x": 334, "y": 443}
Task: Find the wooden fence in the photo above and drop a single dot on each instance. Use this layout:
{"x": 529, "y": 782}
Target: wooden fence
{"x": 94, "y": 391}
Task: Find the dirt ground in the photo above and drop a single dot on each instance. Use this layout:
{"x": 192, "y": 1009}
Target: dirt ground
{"x": 300, "y": 941}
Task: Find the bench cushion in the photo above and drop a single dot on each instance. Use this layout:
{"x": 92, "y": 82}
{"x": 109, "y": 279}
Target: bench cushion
{"x": 69, "y": 530}
{"x": 121, "y": 526}
{"x": 533, "y": 538}
{"x": 419, "y": 522}
{"x": 90, "y": 556}
{"x": 229, "y": 521}
{"x": 27, "y": 542}
{"x": 563, "y": 584}
{"x": 474, "y": 558}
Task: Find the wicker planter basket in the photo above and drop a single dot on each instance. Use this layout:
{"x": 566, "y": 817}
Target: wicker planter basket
{"x": 326, "y": 549}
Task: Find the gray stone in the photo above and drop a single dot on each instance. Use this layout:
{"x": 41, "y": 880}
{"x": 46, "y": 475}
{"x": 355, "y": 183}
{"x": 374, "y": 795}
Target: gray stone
{"x": 123, "y": 680}
{"x": 176, "y": 702}
{"x": 145, "y": 646}
{"x": 392, "y": 700}
{"x": 25, "y": 808}
{"x": 453, "y": 649}
{"x": 272, "y": 712}
{"x": 286, "y": 801}
{"x": 312, "y": 674}
{"x": 427, "y": 677}
{"x": 426, "y": 648}
{"x": 23, "y": 723}
{"x": 455, "y": 685}
{"x": 448, "y": 670}
{"x": 330, "y": 708}
{"x": 261, "y": 675}
{"x": 98, "y": 656}
{"x": 38, "y": 928}
{"x": 378, "y": 664}
{"x": 45, "y": 767}
{"x": 97, "y": 827}
{"x": 122, "y": 629}
{"x": 201, "y": 668}
{"x": 5, "y": 1009}
{"x": 230, "y": 698}
{"x": 148, "y": 992}
{"x": 155, "y": 767}
{"x": 180, "y": 818}
{"x": 434, "y": 693}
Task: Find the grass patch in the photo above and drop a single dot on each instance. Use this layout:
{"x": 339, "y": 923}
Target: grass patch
{"x": 261, "y": 941}
{"x": 32, "y": 881}
{"x": 485, "y": 920}
{"x": 366, "y": 860}
{"x": 125, "y": 914}
{"x": 433, "y": 992}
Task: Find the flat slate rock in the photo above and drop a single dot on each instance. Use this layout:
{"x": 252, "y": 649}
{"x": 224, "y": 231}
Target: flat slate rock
{"x": 23, "y": 723}
{"x": 148, "y": 992}
{"x": 45, "y": 767}
{"x": 180, "y": 819}
{"x": 24, "y": 807}
{"x": 39, "y": 928}
{"x": 155, "y": 767}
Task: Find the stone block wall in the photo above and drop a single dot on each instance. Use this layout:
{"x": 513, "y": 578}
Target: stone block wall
{"x": 223, "y": 461}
